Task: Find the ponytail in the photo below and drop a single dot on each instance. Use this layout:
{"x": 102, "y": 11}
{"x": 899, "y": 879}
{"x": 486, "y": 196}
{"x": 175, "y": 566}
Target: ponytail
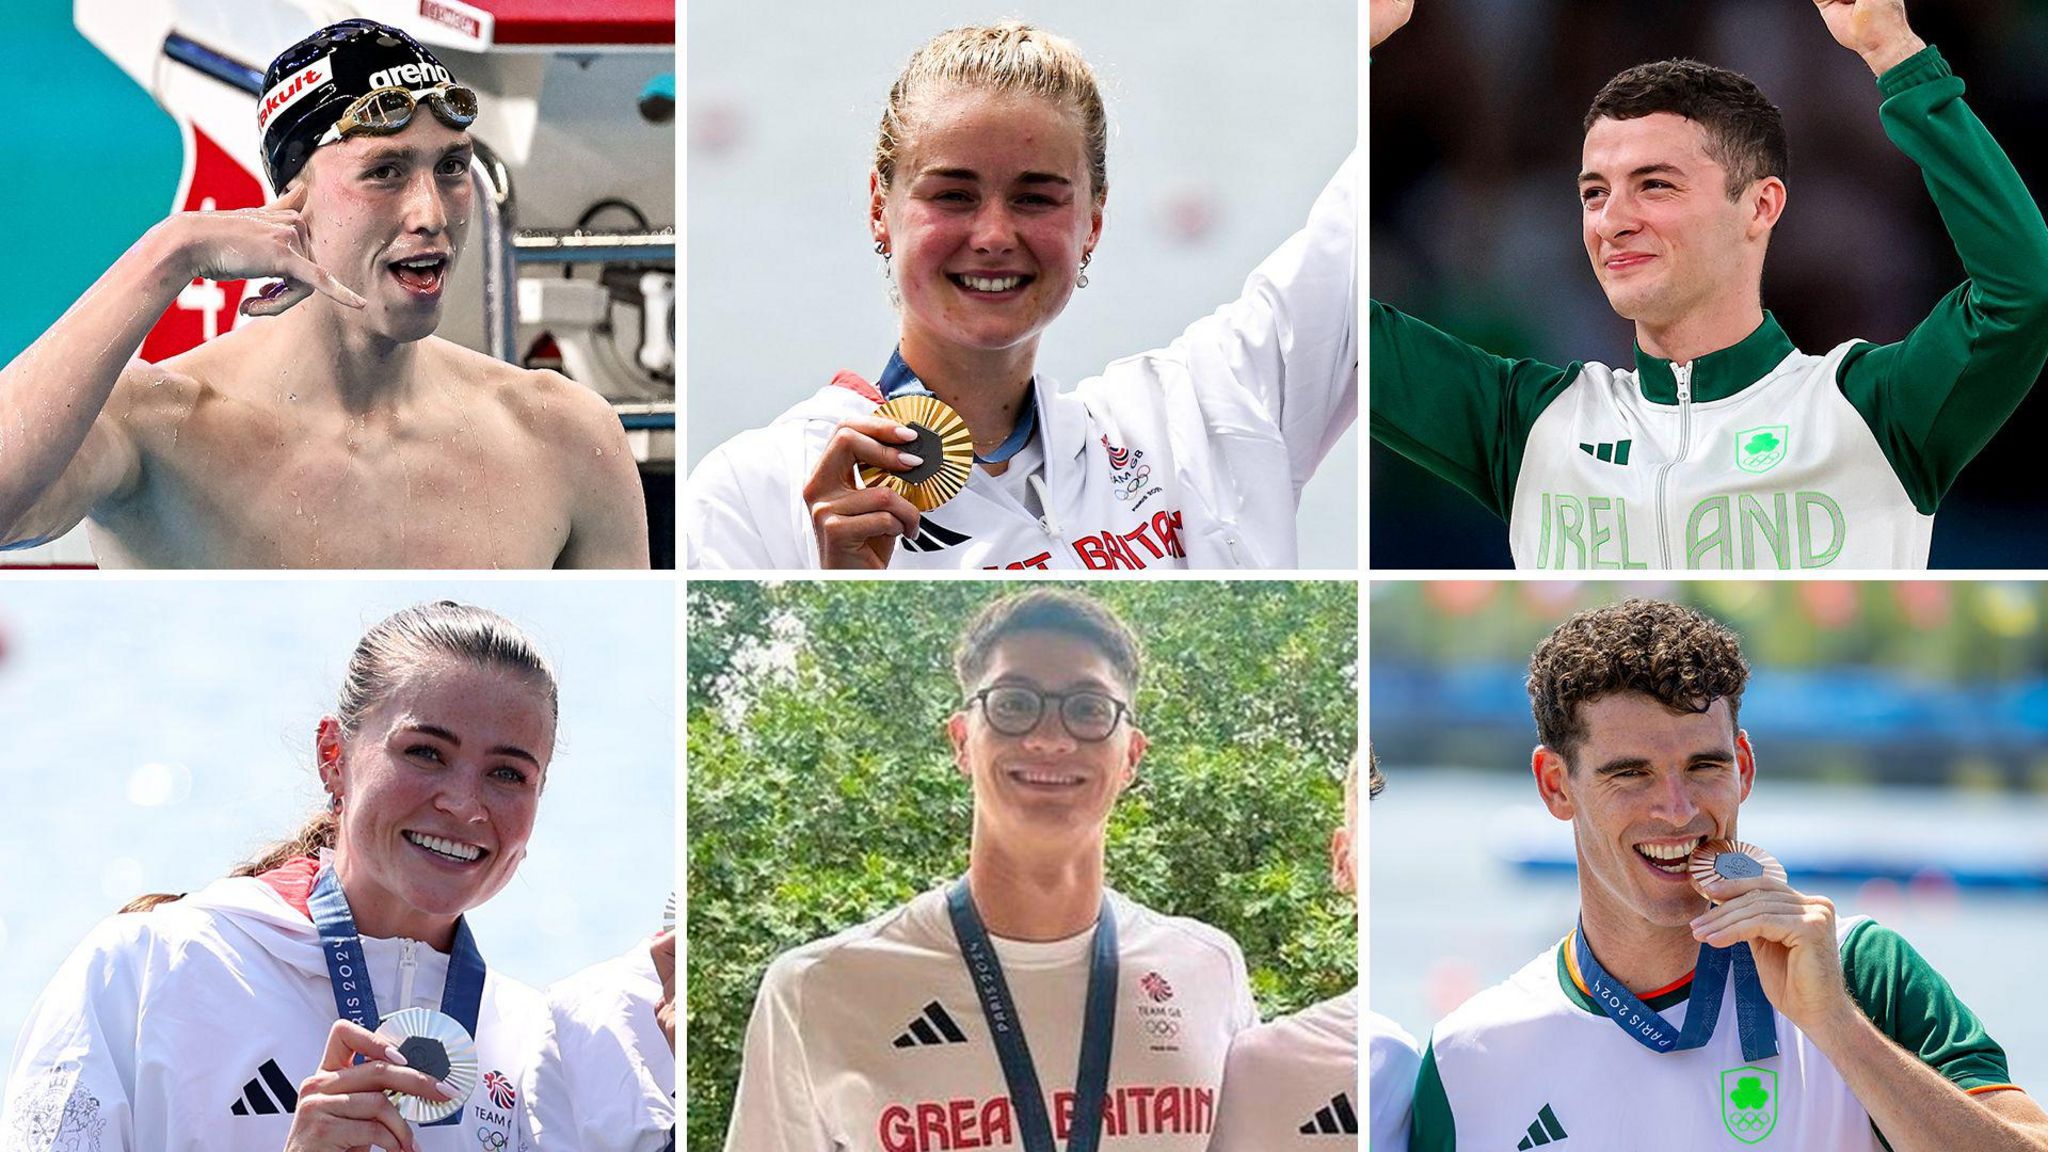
{"x": 381, "y": 657}
{"x": 318, "y": 833}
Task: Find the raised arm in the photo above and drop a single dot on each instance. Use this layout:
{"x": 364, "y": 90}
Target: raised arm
{"x": 61, "y": 452}
{"x": 1386, "y": 18}
{"x": 1914, "y": 1055}
{"x": 1286, "y": 350}
{"x": 1937, "y": 397}
{"x": 1456, "y": 410}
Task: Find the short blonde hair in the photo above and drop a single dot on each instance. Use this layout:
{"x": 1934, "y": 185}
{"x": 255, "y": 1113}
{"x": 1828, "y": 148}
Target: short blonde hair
{"x": 1008, "y": 57}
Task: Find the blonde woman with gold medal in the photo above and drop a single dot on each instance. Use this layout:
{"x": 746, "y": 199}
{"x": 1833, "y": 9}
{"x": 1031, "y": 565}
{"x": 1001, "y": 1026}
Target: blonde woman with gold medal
{"x": 987, "y": 197}
{"x": 327, "y": 996}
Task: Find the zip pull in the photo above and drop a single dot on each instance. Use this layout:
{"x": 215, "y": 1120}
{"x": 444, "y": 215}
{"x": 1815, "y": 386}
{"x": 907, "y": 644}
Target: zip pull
{"x": 408, "y": 963}
{"x": 1682, "y": 373}
{"x": 1051, "y": 526}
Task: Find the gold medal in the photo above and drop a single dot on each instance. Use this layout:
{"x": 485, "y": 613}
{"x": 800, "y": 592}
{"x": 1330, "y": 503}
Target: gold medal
{"x": 1730, "y": 860}
{"x": 438, "y": 1046}
{"x": 942, "y": 441}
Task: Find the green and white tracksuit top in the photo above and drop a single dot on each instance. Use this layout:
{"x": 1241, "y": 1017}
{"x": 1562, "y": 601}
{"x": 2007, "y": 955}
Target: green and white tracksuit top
{"x": 1757, "y": 455}
{"x": 1533, "y": 1062}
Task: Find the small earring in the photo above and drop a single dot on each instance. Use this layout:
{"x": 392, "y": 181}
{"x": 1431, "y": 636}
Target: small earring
{"x": 882, "y": 249}
{"x": 1081, "y": 281}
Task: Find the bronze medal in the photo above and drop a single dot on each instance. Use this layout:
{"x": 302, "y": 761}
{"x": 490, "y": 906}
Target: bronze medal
{"x": 942, "y": 441}
{"x": 1730, "y": 860}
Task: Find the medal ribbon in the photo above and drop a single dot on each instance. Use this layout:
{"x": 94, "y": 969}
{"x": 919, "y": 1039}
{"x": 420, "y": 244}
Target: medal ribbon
{"x": 898, "y": 380}
{"x": 1755, "y": 1019}
{"x": 354, "y": 1000}
{"x": 1098, "y": 1028}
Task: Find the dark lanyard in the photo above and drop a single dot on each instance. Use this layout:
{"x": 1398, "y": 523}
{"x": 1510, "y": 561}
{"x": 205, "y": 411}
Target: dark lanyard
{"x": 461, "y": 997}
{"x": 898, "y": 380}
{"x": 1755, "y": 1019}
{"x": 1098, "y": 1028}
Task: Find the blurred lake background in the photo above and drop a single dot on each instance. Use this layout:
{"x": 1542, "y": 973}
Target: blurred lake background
{"x": 155, "y": 733}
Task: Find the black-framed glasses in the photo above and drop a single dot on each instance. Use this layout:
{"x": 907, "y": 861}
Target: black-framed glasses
{"x": 1014, "y": 710}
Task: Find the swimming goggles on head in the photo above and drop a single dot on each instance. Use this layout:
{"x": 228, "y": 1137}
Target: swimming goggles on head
{"x": 385, "y": 111}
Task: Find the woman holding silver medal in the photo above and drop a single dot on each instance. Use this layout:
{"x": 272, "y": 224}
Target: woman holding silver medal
{"x": 328, "y": 995}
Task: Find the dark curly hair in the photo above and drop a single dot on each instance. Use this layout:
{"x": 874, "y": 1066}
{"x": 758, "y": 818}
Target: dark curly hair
{"x": 1677, "y": 654}
{"x": 1745, "y": 131}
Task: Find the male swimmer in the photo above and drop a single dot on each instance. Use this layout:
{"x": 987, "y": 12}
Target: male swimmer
{"x": 342, "y": 433}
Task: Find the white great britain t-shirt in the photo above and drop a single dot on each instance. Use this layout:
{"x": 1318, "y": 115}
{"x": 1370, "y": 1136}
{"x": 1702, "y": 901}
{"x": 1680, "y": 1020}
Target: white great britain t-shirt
{"x": 873, "y": 1040}
{"x": 1293, "y": 1083}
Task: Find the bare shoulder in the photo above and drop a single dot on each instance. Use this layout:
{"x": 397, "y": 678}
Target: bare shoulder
{"x": 576, "y": 431}
{"x": 150, "y": 396}
{"x": 553, "y": 408}
{"x": 231, "y": 364}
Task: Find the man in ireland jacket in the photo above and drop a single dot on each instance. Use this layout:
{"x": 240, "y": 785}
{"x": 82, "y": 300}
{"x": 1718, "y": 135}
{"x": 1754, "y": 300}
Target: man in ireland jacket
{"x": 1725, "y": 446}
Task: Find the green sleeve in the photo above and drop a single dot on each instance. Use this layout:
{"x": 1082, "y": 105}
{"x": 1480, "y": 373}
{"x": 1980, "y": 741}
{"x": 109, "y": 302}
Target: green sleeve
{"x": 1458, "y": 411}
{"x": 1433, "y": 1129}
{"x": 1913, "y": 1004}
{"x": 1936, "y": 398}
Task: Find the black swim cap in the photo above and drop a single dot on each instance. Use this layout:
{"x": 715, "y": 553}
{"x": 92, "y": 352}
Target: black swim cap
{"x": 311, "y": 83}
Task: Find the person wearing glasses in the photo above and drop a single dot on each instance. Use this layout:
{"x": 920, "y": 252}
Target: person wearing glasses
{"x": 1025, "y": 1003}
{"x": 341, "y": 433}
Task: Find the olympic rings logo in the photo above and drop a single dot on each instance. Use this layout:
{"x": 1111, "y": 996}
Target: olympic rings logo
{"x": 490, "y": 1138}
{"x": 1749, "y": 1121}
{"x": 1128, "y": 484}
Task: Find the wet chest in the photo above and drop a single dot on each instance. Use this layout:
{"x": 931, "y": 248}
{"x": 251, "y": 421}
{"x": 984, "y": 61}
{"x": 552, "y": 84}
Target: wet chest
{"x": 261, "y": 490}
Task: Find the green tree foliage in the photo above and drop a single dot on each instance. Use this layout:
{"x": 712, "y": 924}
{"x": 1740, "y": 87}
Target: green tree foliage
{"x": 822, "y": 790}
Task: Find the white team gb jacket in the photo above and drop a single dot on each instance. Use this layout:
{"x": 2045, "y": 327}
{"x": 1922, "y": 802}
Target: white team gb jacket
{"x": 1189, "y": 456}
{"x": 606, "y": 1079}
{"x": 189, "y": 1027}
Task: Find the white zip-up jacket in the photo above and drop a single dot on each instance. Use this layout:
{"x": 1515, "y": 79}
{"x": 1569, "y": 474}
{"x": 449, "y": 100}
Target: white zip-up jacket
{"x": 1756, "y": 455}
{"x": 1190, "y": 456}
{"x": 188, "y": 1028}
{"x": 606, "y": 1078}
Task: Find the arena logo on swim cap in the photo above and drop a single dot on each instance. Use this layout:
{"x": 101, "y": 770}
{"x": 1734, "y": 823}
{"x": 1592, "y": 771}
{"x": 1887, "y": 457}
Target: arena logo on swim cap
{"x": 293, "y": 88}
{"x": 409, "y": 76}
